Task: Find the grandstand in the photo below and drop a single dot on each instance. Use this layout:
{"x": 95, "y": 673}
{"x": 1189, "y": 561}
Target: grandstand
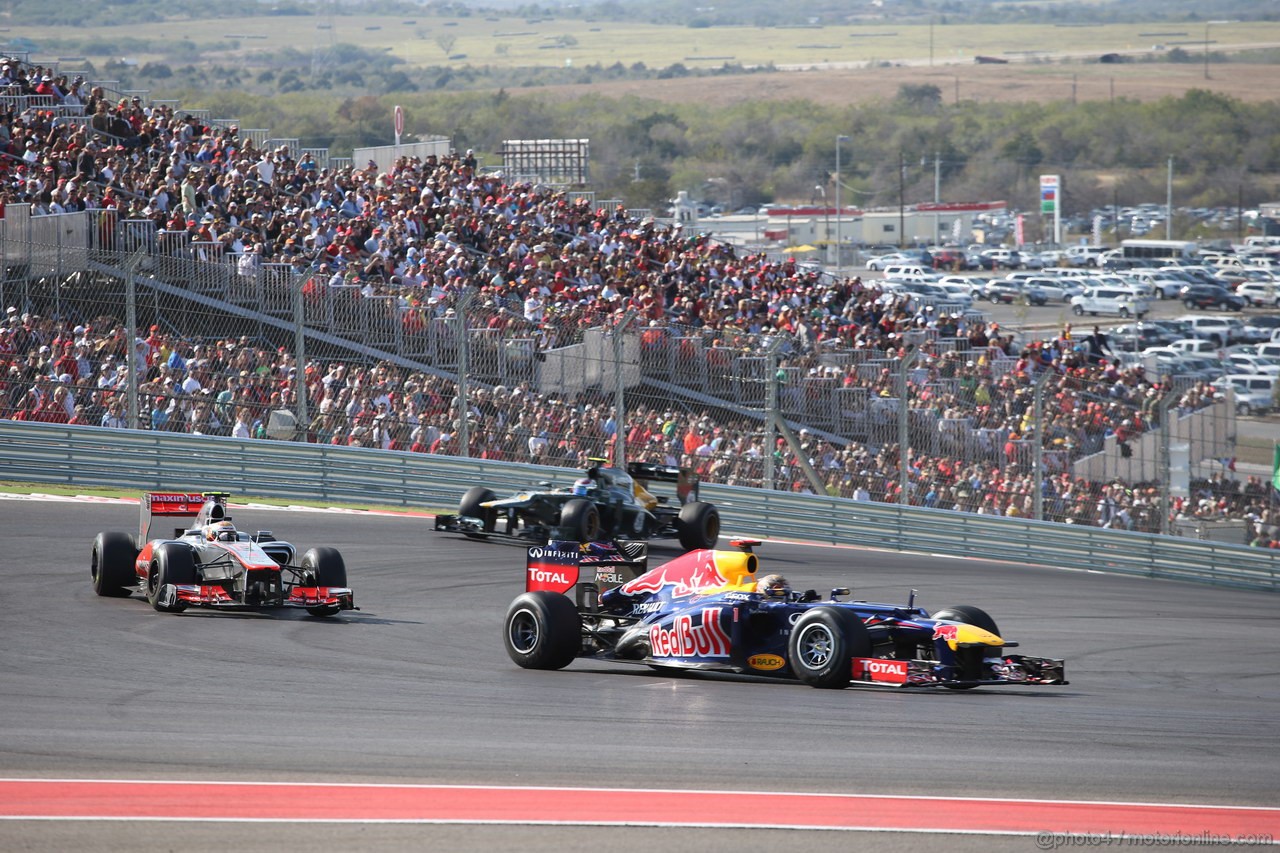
{"x": 164, "y": 269}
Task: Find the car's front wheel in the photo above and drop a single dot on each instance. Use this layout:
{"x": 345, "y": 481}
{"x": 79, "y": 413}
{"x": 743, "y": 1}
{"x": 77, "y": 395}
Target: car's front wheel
{"x": 472, "y": 506}
{"x": 1078, "y": 311}
{"x": 173, "y": 565}
{"x": 823, "y": 644}
{"x": 111, "y": 564}
{"x": 543, "y": 630}
{"x": 326, "y": 568}
{"x": 975, "y": 616}
{"x": 582, "y": 519}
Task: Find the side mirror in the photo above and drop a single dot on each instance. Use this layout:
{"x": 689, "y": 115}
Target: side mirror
{"x": 838, "y": 591}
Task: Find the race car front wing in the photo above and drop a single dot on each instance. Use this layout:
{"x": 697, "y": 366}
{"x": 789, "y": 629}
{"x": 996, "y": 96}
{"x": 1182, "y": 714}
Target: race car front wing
{"x": 1007, "y": 670}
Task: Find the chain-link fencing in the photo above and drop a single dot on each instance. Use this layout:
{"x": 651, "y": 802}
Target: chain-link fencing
{"x": 117, "y": 323}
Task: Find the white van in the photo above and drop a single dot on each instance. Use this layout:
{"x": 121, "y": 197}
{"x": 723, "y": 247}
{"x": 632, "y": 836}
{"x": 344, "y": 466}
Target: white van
{"x": 1220, "y": 330}
{"x": 1254, "y": 393}
{"x": 1108, "y": 300}
{"x": 1084, "y": 256}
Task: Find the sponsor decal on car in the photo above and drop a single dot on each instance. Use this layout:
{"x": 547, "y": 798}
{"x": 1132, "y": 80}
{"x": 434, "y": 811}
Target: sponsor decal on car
{"x": 765, "y": 662}
{"x": 684, "y": 639}
{"x": 883, "y": 671}
{"x": 946, "y": 632}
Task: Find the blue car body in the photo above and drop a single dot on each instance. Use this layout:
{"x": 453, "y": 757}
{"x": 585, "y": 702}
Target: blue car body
{"x": 702, "y": 611}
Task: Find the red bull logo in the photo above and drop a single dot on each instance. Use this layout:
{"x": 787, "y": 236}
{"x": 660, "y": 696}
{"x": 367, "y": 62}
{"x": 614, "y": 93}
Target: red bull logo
{"x": 688, "y": 575}
{"x": 946, "y": 632}
{"x": 686, "y": 640}
{"x": 883, "y": 671}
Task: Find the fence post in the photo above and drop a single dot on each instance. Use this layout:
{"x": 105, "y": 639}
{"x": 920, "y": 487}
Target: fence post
{"x": 1038, "y": 447}
{"x": 131, "y": 322}
{"x": 904, "y": 415}
{"x": 619, "y": 391}
{"x": 464, "y": 367}
{"x": 300, "y": 353}
{"x": 1165, "y": 409}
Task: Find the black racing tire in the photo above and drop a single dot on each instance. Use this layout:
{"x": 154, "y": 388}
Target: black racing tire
{"x": 583, "y": 518}
{"x": 327, "y": 568}
{"x": 171, "y": 563}
{"x": 470, "y": 505}
{"x": 111, "y": 565}
{"x": 970, "y": 615}
{"x": 543, "y": 630}
{"x": 698, "y": 525}
{"x": 823, "y": 644}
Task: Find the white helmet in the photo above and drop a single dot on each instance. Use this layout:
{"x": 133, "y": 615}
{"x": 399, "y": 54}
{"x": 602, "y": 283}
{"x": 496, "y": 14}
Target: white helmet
{"x": 582, "y": 486}
{"x": 220, "y": 531}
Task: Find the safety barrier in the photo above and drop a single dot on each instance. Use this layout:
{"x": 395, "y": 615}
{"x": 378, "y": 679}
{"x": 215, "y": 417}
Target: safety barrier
{"x": 87, "y": 456}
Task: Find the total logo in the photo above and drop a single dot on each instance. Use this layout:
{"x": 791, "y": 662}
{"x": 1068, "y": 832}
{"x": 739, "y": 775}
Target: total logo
{"x": 537, "y": 575}
{"x": 883, "y": 671}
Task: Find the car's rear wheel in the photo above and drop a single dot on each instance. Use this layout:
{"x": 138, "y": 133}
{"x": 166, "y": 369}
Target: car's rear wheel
{"x": 823, "y": 644}
{"x": 975, "y": 616}
{"x": 173, "y": 565}
{"x": 698, "y": 525}
{"x": 111, "y": 565}
{"x": 582, "y": 518}
{"x": 543, "y": 630}
{"x": 326, "y": 568}
{"x": 471, "y": 506}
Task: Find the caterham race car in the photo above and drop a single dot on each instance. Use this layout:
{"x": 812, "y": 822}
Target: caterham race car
{"x": 706, "y": 610}
{"x": 605, "y": 503}
{"x": 211, "y": 564}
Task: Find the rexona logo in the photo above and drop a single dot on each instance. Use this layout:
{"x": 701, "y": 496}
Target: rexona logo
{"x": 765, "y": 662}
{"x": 686, "y": 640}
{"x": 884, "y": 671}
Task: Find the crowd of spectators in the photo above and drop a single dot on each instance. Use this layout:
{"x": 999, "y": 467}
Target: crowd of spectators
{"x": 544, "y": 267}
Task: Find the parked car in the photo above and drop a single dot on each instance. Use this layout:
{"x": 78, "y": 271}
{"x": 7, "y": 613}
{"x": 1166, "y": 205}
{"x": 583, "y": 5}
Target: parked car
{"x": 1260, "y": 293}
{"x": 1220, "y": 330}
{"x": 1004, "y": 259}
{"x": 1135, "y": 337}
{"x": 1204, "y": 296}
{"x": 1241, "y": 363}
{"x": 1106, "y": 300}
{"x": 1004, "y": 291}
{"x": 880, "y": 263}
{"x": 1254, "y": 392}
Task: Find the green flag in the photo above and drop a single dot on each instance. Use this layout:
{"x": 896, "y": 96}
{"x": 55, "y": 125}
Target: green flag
{"x": 1275, "y": 469}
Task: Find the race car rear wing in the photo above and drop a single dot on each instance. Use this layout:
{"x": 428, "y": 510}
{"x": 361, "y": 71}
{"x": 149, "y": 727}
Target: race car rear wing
{"x": 582, "y": 571}
{"x": 179, "y": 505}
{"x": 686, "y": 479}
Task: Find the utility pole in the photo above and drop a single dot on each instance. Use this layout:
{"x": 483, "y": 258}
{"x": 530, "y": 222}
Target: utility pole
{"x": 619, "y": 409}
{"x": 1168, "y": 203}
{"x": 839, "y": 212}
{"x": 902, "y": 199}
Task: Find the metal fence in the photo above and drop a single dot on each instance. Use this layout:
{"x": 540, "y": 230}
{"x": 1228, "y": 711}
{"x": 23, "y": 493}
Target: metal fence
{"x": 156, "y": 330}
{"x": 70, "y": 455}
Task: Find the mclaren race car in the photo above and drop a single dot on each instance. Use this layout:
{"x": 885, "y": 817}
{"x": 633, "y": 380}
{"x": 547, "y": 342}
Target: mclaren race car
{"x": 211, "y": 564}
{"x": 605, "y": 503}
{"x": 706, "y": 610}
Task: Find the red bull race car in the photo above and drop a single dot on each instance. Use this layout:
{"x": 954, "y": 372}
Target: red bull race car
{"x": 708, "y": 610}
{"x": 208, "y": 563}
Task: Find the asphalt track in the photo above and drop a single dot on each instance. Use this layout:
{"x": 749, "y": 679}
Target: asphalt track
{"x": 404, "y": 725}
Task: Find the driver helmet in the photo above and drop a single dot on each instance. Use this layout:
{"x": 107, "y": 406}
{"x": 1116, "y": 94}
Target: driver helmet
{"x": 773, "y": 585}
{"x": 582, "y": 486}
{"x": 220, "y": 531}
